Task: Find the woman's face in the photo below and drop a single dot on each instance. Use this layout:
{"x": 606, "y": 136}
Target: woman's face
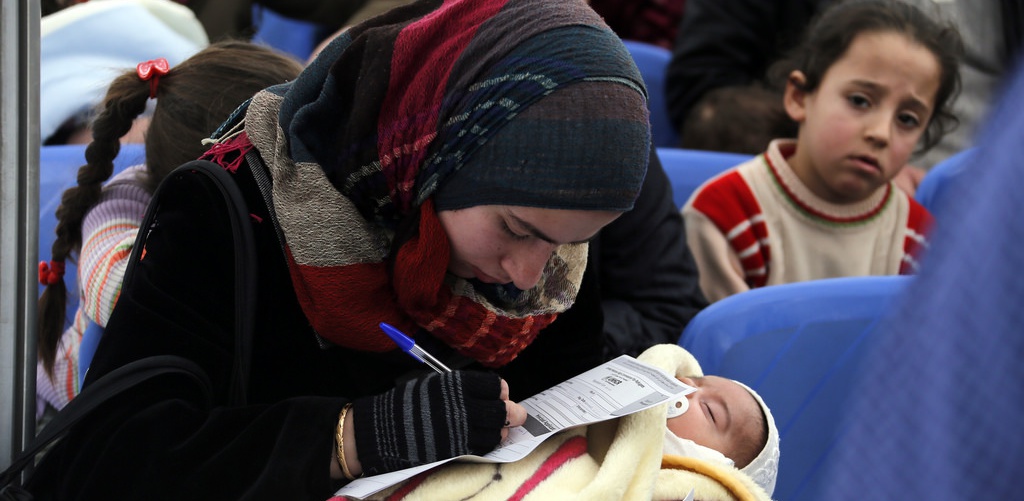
{"x": 504, "y": 244}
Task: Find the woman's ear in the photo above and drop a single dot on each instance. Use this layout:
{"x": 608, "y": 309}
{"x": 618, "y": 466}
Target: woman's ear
{"x": 794, "y": 98}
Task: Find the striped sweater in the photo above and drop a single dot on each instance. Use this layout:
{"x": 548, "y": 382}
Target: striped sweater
{"x": 757, "y": 224}
{"x": 108, "y": 233}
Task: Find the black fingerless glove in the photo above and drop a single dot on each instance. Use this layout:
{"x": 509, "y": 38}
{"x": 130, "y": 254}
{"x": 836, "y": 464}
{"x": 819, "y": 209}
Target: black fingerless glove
{"x": 429, "y": 419}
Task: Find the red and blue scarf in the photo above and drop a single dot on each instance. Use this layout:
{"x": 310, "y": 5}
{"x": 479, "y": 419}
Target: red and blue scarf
{"x": 395, "y": 108}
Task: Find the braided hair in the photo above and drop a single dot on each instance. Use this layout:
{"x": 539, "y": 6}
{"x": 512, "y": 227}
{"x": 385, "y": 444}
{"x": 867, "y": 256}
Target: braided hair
{"x": 192, "y": 99}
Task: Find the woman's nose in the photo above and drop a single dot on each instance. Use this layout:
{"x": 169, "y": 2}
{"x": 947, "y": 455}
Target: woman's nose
{"x": 526, "y": 265}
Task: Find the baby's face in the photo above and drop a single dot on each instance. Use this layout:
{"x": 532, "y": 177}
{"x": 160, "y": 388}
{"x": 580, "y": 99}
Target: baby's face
{"x": 723, "y": 416}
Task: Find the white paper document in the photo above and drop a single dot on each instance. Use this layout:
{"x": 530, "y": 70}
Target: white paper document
{"x": 617, "y": 388}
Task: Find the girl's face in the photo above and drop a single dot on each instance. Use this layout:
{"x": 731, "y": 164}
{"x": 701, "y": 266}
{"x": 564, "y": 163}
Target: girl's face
{"x": 504, "y": 244}
{"x": 860, "y": 126}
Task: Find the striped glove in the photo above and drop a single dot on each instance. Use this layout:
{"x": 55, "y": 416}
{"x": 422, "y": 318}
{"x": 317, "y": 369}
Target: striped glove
{"x": 429, "y": 419}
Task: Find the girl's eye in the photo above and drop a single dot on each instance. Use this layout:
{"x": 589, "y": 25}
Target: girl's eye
{"x": 508, "y": 231}
{"x": 859, "y": 101}
{"x": 710, "y": 413}
{"x": 908, "y": 120}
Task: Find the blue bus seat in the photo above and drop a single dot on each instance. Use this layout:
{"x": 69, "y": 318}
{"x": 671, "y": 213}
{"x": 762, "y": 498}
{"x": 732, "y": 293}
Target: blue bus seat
{"x": 800, "y": 347}
{"x": 652, "y": 61}
{"x": 688, "y": 169}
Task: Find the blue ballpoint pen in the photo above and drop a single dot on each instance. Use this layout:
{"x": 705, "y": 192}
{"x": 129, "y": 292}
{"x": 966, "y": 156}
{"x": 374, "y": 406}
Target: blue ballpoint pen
{"x": 409, "y": 346}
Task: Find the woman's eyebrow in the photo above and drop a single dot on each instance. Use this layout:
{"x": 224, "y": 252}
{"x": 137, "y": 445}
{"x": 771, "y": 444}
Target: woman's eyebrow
{"x": 533, "y": 230}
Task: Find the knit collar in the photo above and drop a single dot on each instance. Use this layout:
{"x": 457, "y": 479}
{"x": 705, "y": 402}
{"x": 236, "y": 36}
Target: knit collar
{"x": 800, "y": 197}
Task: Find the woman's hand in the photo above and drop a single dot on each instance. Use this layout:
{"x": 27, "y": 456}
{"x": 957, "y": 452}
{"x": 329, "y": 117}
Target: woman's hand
{"x": 429, "y": 419}
{"x": 515, "y": 414}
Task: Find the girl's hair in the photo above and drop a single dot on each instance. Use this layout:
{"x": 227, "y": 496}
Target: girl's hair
{"x": 832, "y": 31}
{"x": 191, "y": 101}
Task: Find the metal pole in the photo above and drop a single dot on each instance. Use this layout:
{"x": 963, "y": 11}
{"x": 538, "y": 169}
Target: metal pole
{"x": 19, "y": 221}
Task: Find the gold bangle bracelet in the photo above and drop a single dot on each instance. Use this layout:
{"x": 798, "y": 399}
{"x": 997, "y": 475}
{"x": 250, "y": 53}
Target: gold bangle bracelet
{"x": 339, "y": 436}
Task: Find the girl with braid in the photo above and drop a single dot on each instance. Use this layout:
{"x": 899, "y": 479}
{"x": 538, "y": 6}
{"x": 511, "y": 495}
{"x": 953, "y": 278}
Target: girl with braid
{"x": 97, "y": 223}
{"x": 440, "y": 167}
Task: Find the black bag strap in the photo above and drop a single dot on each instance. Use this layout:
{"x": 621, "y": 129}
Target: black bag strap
{"x": 207, "y": 172}
{"x": 101, "y": 391}
{"x": 266, "y": 187}
{"x": 131, "y": 374}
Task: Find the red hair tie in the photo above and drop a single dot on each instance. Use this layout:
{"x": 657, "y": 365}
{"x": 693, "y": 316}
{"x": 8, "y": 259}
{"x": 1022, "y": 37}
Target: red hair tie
{"x": 52, "y": 273}
{"x": 152, "y": 70}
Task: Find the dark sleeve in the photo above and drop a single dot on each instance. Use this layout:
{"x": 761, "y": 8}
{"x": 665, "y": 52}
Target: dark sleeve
{"x": 156, "y": 442}
{"x": 234, "y": 18}
{"x": 648, "y": 278}
{"x": 720, "y": 43}
{"x": 160, "y": 440}
{"x": 333, "y": 13}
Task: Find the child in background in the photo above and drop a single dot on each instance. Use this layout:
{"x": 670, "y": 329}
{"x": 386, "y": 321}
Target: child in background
{"x": 872, "y": 80}
{"x": 84, "y": 46}
{"x": 737, "y": 119}
{"x": 97, "y": 224}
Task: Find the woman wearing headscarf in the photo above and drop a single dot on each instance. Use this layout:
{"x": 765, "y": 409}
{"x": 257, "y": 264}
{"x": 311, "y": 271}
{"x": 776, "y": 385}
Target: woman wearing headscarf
{"x": 439, "y": 168}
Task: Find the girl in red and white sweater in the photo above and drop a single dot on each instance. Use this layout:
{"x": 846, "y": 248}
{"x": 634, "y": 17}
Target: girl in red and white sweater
{"x": 871, "y": 81}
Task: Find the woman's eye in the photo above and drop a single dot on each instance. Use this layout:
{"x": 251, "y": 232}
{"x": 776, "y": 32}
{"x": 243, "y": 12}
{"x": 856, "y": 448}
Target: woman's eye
{"x": 859, "y": 101}
{"x": 509, "y": 232}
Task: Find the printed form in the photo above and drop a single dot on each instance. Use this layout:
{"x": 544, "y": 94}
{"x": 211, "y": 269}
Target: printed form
{"x": 617, "y": 388}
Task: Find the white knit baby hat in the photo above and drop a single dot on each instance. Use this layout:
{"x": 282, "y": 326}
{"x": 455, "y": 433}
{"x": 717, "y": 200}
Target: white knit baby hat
{"x": 764, "y": 469}
{"x": 678, "y": 362}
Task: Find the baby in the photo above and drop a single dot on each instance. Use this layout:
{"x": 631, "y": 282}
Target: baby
{"x": 723, "y": 430}
{"x": 724, "y": 421}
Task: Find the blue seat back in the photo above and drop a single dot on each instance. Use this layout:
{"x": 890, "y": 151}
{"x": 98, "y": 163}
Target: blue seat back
{"x": 688, "y": 169}
{"x": 942, "y": 180}
{"x": 652, "y": 61}
{"x": 294, "y": 37}
{"x": 800, "y": 346}
{"x": 86, "y": 350}
{"x": 58, "y": 171}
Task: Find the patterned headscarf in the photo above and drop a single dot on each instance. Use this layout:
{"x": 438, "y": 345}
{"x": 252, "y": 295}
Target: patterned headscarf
{"x": 516, "y": 102}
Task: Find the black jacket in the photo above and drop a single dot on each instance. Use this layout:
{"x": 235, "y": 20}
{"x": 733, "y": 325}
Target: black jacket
{"x": 648, "y": 279}
{"x": 159, "y": 440}
{"x": 730, "y": 42}
{"x": 234, "y": 18}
